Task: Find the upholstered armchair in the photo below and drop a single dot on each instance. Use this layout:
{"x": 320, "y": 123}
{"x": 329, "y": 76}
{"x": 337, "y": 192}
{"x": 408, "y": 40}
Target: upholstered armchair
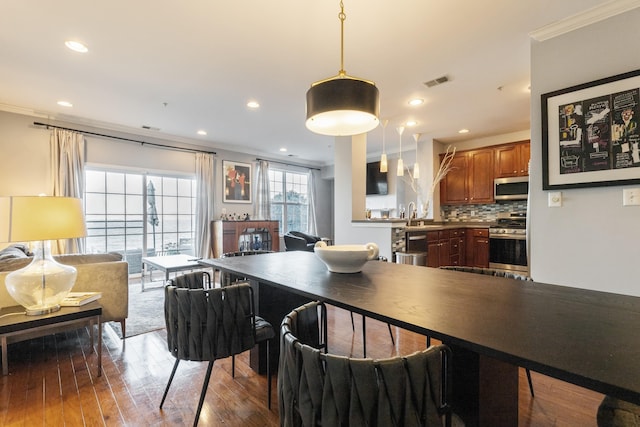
{"x": 299, "y": 241}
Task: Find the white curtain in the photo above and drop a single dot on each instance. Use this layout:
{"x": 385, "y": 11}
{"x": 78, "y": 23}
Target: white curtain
{"x": 313, "y": 226}
{"x": 204, "y": 204}
{"x": 67, "y": 169}
{"x": 262, "y": 208}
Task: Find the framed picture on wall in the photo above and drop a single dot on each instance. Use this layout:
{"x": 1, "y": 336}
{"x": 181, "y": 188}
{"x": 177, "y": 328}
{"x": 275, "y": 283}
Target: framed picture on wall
{"x": 237, "y": 182}
{"x": 590, "y": 134}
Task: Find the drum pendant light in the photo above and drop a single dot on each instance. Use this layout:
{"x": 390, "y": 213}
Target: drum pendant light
{"x": 342, "y": 105}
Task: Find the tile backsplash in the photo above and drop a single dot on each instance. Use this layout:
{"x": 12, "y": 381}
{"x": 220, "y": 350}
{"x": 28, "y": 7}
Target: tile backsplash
{"x": 480, "y": 213}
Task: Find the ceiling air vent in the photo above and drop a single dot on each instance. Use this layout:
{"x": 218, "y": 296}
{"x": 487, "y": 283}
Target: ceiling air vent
{"x": 436, "y": 82}
{"x": 149, "y": 127}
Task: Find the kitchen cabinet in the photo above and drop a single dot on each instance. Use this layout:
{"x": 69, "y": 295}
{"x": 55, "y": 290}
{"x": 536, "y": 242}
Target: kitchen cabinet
{"x": 238, "y": 236}
{"x": 477, "y": 247}
{"x": 457, "y": 247}
{"x": 512, "y": 159}
{"x": 470, "y": 180}
{"x": 438, "y": 248}
{"x": 453, "y": 188}
{"x": 446, "y": 247}
{"x": 480, "y": 176}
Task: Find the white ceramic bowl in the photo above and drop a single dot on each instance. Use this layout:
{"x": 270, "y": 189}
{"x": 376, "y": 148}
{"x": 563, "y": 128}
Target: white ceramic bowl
{"x": 346, "y": 258}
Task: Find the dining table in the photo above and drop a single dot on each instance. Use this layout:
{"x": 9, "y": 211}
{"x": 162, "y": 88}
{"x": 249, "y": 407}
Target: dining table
{"x": 492, "y": 324}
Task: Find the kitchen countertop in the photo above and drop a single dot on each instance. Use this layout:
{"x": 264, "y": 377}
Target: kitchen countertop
{"x": 427, "y": 225}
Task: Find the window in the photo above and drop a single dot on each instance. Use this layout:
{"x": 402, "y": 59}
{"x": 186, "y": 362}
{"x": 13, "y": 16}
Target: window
{"x": 289, "y": 200}
{"x": 118, "y": 221}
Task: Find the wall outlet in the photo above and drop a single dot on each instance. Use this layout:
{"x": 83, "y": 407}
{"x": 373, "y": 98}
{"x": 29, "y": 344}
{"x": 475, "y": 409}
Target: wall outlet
{"x": 631, "y": 197}
{"x": 555, "y": 199}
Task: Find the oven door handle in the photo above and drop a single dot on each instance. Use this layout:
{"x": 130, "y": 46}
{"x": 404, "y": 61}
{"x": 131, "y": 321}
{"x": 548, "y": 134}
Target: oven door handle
{"x": 508, "y": 236}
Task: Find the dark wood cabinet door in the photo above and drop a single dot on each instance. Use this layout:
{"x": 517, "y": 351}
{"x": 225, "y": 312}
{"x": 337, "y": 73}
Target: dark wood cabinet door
{"x": 512, "y": 159}
{"x": 453, "y": 188}
{"x": 507, "y": 161}
{"x": 525, "y": 155}
{"x": 480, "y": 176}
{"x": 482, "y": 252}
{"x": 477, "y": 242}
{"x": 445, "y": 252}
{"x": 433, "y": 254}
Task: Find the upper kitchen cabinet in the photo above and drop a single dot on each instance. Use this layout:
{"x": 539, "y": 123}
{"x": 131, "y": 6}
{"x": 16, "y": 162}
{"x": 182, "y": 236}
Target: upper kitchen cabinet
{"x": 470, "y": 179}
{"x": 513, "y": 159}
{"x": 453, "y": 188}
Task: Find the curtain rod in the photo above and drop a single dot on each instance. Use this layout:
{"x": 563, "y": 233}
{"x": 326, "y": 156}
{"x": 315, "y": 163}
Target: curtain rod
{"x": 168, "y": 147}
{"x": 288, "y": 164}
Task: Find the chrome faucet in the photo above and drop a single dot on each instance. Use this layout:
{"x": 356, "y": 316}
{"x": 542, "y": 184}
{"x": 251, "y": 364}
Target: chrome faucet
{"x": 413, "y": 212}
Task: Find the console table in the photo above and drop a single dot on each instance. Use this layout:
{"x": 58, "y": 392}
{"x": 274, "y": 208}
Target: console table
{"x": 16, "y": 326}
{"x": 236, "y": 236}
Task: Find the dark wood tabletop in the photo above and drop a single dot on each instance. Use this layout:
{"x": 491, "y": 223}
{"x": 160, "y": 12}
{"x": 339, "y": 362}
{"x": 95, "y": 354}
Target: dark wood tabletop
{"x": 585, "y": 337}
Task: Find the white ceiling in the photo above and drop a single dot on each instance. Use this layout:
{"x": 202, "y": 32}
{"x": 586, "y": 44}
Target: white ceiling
{"x": 205, "y": 59}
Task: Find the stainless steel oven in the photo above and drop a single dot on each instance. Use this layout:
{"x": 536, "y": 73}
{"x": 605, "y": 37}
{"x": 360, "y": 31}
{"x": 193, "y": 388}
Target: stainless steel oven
{"x": 508, "y": 243}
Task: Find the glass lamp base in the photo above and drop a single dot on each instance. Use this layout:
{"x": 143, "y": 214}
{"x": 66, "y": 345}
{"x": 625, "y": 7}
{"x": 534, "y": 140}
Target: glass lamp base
{"x": 34, "y": 311}
{"x": 42, "y": 285}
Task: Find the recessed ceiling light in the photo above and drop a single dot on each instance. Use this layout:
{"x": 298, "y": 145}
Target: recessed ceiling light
{"x": 65, "y": 104}
{"x": 253, "y": 104}
{"x": 416, "y": 101}
{"x": 463, "y": 131}
{"x": 284, "y": 150}
{"x": 76, "y": 46}
{"x": 411, "y": 123}
{"x": 202, "y": 132}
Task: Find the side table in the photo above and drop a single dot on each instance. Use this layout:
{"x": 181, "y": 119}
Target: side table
{"x": 16, "y": 326}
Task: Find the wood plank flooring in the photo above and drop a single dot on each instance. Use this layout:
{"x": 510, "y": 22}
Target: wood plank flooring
{"x": 52, "y": 382}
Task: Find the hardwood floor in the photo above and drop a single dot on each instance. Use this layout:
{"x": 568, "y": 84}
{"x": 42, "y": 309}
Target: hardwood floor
{"x": 52, "y": 382}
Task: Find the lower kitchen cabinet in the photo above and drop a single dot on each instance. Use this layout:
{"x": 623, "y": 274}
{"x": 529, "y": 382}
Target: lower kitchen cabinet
{"x": 438, "y": 248}
{"x": 446, "y": 247}
{"x": 457, "y": 247}
{"x": 478, "y": 247}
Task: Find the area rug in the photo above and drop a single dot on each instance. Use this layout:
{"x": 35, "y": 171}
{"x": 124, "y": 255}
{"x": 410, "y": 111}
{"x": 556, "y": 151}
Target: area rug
{"x": 146, "y": 311}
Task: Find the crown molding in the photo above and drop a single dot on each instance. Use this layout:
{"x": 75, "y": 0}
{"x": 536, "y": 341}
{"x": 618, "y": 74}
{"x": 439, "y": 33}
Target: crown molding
{"x": 588, "y": 17}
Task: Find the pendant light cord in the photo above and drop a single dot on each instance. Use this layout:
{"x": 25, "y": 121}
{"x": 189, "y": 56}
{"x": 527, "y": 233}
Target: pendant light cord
{"x": 342, "y": 17}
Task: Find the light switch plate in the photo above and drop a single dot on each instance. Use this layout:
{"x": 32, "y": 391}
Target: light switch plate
{"x": 631, "y": 197}
{"x": 555, "y": 199}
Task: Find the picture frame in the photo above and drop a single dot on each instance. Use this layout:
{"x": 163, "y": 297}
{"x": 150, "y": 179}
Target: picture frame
{"x": 590, "y": 134}
{"x": 236, "y": 182}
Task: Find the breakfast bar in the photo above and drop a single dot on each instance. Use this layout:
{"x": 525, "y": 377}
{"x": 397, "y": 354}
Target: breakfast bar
{"x": 492, "y": 324}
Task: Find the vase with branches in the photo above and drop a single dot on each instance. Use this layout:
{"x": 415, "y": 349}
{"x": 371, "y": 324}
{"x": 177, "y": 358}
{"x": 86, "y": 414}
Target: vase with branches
{"x": 443, "y": 170}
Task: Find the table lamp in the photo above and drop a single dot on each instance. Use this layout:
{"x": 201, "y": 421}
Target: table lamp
{"x": 44, "y": 283}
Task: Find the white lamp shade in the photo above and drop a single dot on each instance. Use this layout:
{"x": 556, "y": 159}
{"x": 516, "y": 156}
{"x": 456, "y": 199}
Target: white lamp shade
{"x": 416, "y": 170}
{"x": 43, "y": 284}
{"x": 400, "y": 169}
{"x": 32, "y": 218}
{"x": 383, "y": 163}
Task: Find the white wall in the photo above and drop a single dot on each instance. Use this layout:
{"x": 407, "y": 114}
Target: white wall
{"x": 592, "y": 241}
{"x": 25, "y": 163}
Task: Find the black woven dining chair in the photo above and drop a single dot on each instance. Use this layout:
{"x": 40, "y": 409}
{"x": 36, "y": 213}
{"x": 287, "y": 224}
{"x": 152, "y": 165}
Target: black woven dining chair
{"x": 316, "y": 388}
{"x": 212, "y": 324}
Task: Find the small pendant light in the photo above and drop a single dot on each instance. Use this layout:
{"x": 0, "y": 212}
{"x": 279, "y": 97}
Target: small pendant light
{"x": 400, "y": 171}
{"x": 383, "y": 157}
{"x": 416, "y": 167}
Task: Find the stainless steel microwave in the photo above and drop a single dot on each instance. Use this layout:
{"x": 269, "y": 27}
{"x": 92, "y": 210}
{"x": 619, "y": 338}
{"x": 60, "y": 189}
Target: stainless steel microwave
{"x": 514, "y": 188}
